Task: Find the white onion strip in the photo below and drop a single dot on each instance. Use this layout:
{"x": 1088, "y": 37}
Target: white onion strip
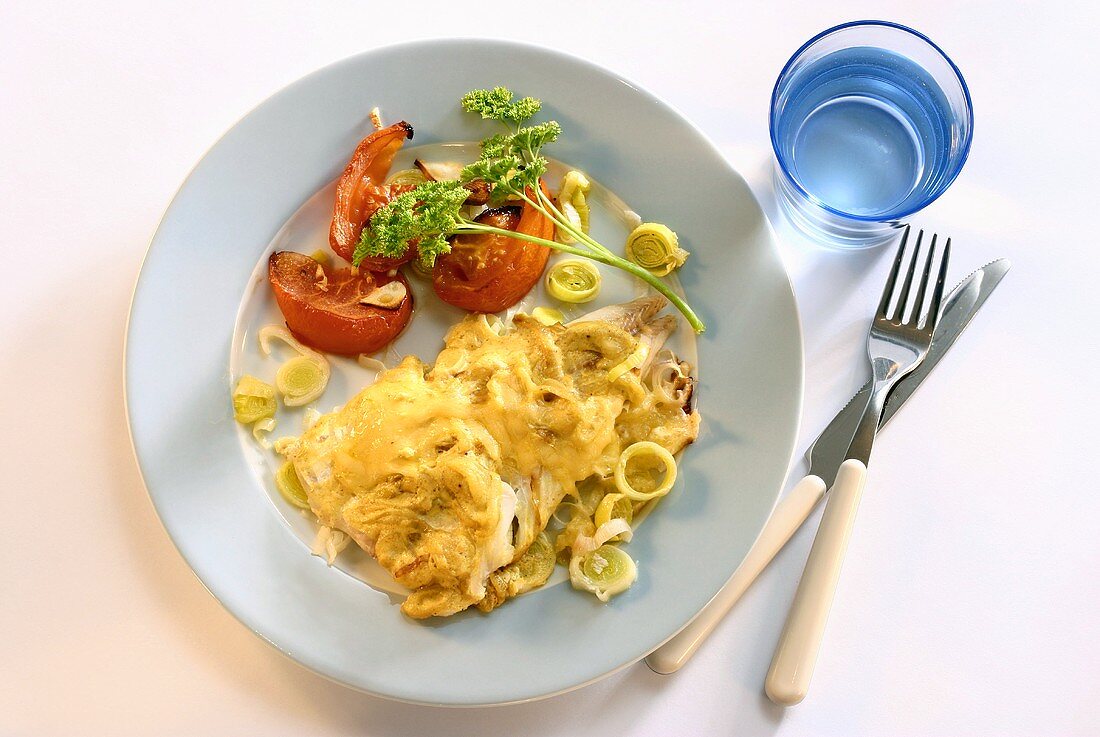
{"x": 329, "y": 543}
{"x": 261, "y": 429}
{"x": 278, "y": 332}
{"x": 584, "y": 544}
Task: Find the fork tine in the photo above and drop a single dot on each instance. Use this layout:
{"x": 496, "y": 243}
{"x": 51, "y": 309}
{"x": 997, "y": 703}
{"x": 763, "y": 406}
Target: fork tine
{"x": 918, "y": 303}
{"x": 903, "y": 298}
{"x": 888, "y": 290}
{"x": 937, "y": 293}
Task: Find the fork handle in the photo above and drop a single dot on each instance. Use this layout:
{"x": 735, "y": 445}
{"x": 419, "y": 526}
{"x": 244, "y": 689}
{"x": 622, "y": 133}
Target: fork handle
{"x": 788, "y": 516}
{"x": 793, "y": 664}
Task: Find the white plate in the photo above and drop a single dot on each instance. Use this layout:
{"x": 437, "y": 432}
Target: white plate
{"x": 197, "y": 306}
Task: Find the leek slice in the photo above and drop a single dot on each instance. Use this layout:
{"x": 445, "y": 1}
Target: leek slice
{"x": 304, "y": 377}
{"x": 290, "y": 486}
{"x": 261, "y": 430}
{"x": 530, "y": 571}
{"x": 574, "y": 218}
{"x": 548, "y": 316}
{"x": 574, "y": 281}
{"x": 614, "y": 506}
{"x": 411, "y": 177}
{"x": 321, "y": 257}
{"x": 573, "y": 203}
{"x": 269, "y": 333}
{"x": 371, "y": 363}
{"x": 253, "y": 400}
{"x": 631, "y": 362}
{"x": 651, "y": 455}
{"x": 584, "y": 544}
{"x": 605, "y": 571}
{"x": 301, "y": 380}
{"x": 655, "y": 248}
{"x": 670, "y": 379}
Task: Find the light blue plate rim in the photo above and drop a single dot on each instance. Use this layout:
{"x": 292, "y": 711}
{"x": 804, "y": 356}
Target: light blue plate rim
{"x": 177, "y": 386}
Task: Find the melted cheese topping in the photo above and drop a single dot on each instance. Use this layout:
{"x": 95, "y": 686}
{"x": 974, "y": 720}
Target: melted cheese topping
{"x": 449, "y": 474}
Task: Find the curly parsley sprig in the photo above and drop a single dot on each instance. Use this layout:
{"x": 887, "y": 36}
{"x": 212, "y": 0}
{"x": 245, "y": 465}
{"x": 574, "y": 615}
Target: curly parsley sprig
{"x": 512, "y": 165}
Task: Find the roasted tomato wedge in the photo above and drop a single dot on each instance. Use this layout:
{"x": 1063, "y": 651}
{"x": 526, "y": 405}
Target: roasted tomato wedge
{"x": 377, "y": 198}
{"x": 489, "y": 272}
{"x": 360, "y": 190}
{"x": 323, "y": 308}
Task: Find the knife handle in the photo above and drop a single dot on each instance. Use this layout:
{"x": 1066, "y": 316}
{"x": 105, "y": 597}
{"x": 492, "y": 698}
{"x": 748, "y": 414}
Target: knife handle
{"x": 787, "y": 517}
{"x": 793, "y": 664}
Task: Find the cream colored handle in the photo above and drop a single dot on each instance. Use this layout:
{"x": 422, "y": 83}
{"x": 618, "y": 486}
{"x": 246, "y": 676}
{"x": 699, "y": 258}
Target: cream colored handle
{"x": 787, "y": 517}
{"x": 793, "y": 664}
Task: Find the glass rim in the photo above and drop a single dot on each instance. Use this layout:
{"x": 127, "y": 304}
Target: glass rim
{"x": 947, "y": 181}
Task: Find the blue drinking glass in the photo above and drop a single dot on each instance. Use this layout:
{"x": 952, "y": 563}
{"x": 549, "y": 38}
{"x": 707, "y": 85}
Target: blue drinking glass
{"x": 870, "y": 122}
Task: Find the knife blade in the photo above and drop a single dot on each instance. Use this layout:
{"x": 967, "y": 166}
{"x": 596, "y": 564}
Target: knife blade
{"x": 828, "y": 450}
{"x": 825, "y": 457}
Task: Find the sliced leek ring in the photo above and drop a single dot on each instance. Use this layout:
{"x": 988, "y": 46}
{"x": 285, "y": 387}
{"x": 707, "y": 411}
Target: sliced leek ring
{"x": 605, "y": 571}
{"x": 304, "y": 377}
{"x": 548, "y": 316}
{"x": 290, "y": 486}
{"x": 573, "y": 280}
{"x": 645, "y": 449}
{"x": 411, "y": 177}
{"x": 573, "y": 203}
{"x": 631, "y": 362}
{"x": 614, "y": 506}
{"x": 301, "y": 380}
{"x": 253, "y": 400}
{"x": 655, "y": 248}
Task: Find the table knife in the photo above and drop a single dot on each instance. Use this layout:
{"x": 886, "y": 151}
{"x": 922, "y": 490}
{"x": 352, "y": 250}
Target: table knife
{"x": 824, "y": 457}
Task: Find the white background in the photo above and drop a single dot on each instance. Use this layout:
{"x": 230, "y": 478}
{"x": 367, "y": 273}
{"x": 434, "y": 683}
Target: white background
{"x": 970, "y": 597}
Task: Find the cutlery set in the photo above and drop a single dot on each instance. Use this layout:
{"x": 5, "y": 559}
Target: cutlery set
{"x": 909, "y": 334}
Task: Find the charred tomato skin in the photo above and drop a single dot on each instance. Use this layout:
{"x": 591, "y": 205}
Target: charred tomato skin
{"x": 321, "y": 305}
{"x": 486, "y": 272}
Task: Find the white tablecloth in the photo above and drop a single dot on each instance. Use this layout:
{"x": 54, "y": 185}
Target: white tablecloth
{"x": 969, "y": 599}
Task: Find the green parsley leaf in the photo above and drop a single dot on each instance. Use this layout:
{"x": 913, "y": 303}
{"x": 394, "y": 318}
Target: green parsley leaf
{"x": 534, "y": 137}
{"x": 426, "y": 214}
{"x": 497, "y": 104}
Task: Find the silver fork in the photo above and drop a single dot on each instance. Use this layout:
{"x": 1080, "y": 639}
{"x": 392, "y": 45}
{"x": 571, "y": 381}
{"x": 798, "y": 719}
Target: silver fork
{"x": 900, "y": 336}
